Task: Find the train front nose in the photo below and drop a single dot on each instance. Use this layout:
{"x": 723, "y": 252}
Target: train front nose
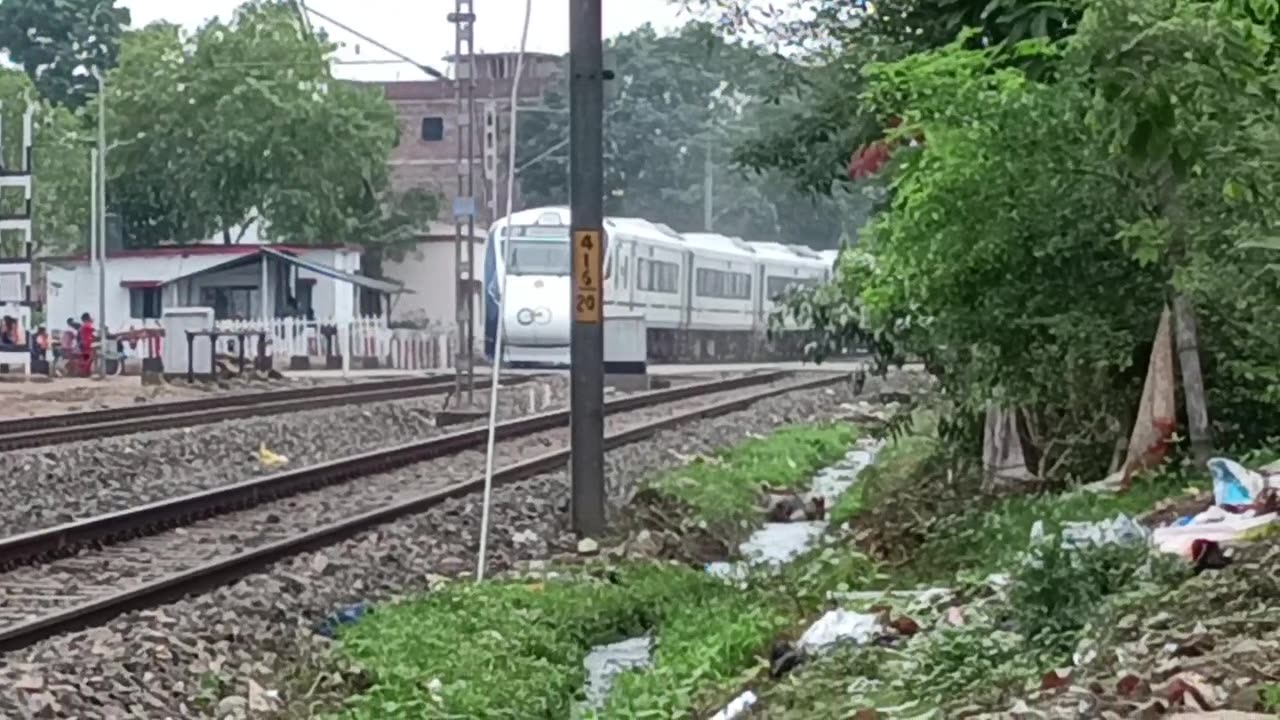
{"x": 539, "y": 314}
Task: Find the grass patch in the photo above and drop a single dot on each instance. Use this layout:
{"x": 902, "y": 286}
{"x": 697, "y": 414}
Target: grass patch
{"x": 511, "y": 650}
{"x": 516, "y": 650}
{"x": 725, "y": 488}
{"x": 897, "y": 465}
{"x": 703, "y": 651}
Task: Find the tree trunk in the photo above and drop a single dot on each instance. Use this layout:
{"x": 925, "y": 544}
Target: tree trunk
{"x": 1187, "y": 343}
{"x": 226, "y": 236}
{"x": 1186, "y": 334}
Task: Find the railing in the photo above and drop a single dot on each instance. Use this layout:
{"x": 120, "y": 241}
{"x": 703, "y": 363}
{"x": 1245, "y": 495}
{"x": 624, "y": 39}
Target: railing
{"x": 364, "y": 338}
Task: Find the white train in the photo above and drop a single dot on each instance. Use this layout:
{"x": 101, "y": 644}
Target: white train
{"x": 704, "y": 296}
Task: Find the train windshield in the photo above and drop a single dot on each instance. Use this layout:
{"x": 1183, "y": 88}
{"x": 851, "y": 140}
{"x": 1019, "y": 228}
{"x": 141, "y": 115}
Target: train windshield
{"x": 540, "y": 251}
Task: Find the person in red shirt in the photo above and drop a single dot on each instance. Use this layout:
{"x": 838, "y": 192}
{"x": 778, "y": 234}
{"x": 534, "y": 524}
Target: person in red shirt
{"x": 86, "y": 332}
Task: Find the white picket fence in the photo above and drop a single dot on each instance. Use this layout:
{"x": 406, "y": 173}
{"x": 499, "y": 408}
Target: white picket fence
{"x": 365, "y": 337}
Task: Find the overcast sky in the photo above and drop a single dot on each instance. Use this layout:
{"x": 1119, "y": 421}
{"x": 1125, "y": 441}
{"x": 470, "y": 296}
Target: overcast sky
{"x": 420, "y": 29}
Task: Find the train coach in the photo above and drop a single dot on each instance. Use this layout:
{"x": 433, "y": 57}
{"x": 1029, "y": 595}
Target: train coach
{"x": 704, "y": 296}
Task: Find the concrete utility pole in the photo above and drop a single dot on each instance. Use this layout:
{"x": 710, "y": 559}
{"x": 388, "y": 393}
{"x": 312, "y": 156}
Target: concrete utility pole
{"x": 101, "y": 191}
{"x": 708, "y": 190}
{"x": 586, "y": 182}
{"x": 464, "y": 204}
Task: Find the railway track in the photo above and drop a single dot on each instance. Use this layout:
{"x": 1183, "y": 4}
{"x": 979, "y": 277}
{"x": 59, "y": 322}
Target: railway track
{"x": 86, "y": 572}
{"x": 79, "y": 426}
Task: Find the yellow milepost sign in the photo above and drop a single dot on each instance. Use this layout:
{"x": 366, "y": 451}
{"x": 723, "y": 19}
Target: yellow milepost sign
{"x": 588, "y": 294}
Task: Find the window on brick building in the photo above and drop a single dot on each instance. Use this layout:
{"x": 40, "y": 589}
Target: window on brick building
{"x": 433, "y": 129}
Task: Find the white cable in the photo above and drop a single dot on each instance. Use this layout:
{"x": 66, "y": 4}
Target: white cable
{"x": 502, "y": 299}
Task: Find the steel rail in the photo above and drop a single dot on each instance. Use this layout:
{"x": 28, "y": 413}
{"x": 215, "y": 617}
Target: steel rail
{"x": 150, "y": 518}
{"x": 89, "y": 417}
{"x": 72, "y": 427}
{"x": 228, "y": 569}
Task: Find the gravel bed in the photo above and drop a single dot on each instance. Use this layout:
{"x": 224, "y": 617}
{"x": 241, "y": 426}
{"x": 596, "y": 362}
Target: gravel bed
{"x": 46, "y": 486}
{"x": 222, "y": 654}
{"x": 30, "y": 592}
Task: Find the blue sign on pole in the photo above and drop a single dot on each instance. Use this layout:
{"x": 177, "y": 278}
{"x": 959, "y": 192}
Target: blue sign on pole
{"x": 464, "y": 207}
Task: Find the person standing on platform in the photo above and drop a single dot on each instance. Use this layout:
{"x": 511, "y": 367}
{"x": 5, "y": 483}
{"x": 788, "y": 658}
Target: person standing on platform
{"x": 86, "y": 344}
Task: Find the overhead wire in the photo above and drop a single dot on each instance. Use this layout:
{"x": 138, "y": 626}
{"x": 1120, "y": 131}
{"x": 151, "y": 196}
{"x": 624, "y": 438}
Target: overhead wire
{"x": 485, "y": 512}
{"x": 430, "y": 71}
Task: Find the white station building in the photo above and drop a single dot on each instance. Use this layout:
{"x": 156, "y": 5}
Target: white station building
{"x": 312, "y": 282}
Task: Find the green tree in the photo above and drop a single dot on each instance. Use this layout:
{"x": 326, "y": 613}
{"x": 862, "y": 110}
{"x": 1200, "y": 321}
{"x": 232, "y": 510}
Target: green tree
{"x": 392, "y": 229}
{"x": 676, "y": 110}
{"x": 818, "y": 121}
{"x": 242, "y": 122}
{"x": 1181, "y": 86}
{"x": 61, "y": 156}
{"x": 59, "y": 43}
{"x": 1031, "y": 242}
{"x": 996, "y": 260}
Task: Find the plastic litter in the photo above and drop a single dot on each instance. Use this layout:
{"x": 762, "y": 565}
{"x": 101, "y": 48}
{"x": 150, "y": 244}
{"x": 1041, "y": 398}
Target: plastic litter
{"x": 604, "y": 664}
{"x": 1235, "y": 489}
{"x": 270, "y": 459}
{"x": 1121, "y": 530}
{"x": 1215, "y": 524}
{"x": 738, "y": 707}
{"x": 346, "y": 616}
{"x": 1234, "y": 484}
{"x": 839, "y": 626}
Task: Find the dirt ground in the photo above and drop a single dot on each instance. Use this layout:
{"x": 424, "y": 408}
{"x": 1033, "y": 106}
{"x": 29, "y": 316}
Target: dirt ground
{"x": 43, "y": 396}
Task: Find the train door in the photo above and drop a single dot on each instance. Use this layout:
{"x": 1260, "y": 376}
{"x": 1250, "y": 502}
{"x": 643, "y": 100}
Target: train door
{"x": 758, "y": 323}
{"x": 633, "y": 277}
{"x": 687, "y": 320}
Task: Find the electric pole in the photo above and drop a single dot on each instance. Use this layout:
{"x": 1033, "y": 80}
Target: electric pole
{"x": 464, "y": 204}
{"x": 708, "y": 190}
{"x": 586, "y": 181}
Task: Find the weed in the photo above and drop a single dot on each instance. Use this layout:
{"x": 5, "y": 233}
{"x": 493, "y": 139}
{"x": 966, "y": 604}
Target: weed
{"x": 702, "y": 652}
{"x": 440, "y": 656}
{"x": 725, "y": 489}
{"x": 1271, "y": 698}
{"x": 1057, "y": 591}
{"x": 213, "y": 687}
{"x": 900, "y": 463}
{"x": 989, "y": 541}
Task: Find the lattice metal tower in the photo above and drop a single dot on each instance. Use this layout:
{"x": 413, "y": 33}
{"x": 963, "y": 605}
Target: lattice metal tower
{"x": 15, "y": 269}
{"x": 464, "y": 204}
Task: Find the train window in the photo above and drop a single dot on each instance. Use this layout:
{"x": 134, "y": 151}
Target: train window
{"x": 657, "y": 276}
{"x": 622, "y": 272}
{"x": 721, "y": 284}
{"x": 668, "y": 277}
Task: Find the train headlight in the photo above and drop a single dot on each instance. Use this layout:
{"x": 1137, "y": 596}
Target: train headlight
{"x": 525, "y": 317}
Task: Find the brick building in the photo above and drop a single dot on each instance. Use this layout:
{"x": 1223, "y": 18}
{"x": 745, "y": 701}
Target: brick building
{"x": 427, "y": 153}
{"x": 427, "y": 157}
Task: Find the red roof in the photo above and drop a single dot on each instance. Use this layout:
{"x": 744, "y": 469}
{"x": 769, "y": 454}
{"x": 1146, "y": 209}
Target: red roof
{"x": 189, "y": 250}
